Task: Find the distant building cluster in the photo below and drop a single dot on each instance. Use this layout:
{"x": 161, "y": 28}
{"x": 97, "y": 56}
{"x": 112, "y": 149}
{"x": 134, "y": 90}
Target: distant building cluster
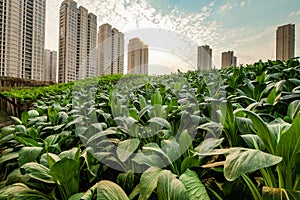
{"x": 22, "y": 38}
{"x": 137, "y": 57}
{"x": 82, "y": 53}
{"x": 77, "y": 42}
{"x": 228, "y": 59}
{"x": 204, "y": 60}
{"x": 110, "y": 51}
{"x": 83, "y": 50}
{"x": 50, "y": 65}
{"x": 285, "y": 49}
{"x": 285, "y": 42}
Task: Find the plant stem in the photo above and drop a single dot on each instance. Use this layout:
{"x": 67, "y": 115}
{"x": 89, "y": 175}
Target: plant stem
{"x": 297, "y": 181}
{"x": 215, "y": 193}
{"x": 253, "y": 189}
{"x": 280, "y": 178}
{"x": 268, "y": 177}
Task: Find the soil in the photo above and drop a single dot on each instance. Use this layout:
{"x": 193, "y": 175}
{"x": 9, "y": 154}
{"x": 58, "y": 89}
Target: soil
{"x": 4, "y": 119}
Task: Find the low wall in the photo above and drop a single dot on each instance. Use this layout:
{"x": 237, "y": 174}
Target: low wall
{"x": 7, "y": 83}
{"x": 11, "y": 105}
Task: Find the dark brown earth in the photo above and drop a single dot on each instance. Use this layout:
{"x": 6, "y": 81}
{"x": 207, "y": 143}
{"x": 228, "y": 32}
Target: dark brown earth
{"x": 4, "y": 119}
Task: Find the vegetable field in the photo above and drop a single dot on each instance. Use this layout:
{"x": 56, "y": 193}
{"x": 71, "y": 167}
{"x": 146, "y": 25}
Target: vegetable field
{"x": 232, "y": 133}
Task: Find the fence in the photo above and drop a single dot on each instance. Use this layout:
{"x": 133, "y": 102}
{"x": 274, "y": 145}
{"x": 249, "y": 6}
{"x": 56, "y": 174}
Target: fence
{"x": 12, "y": 107}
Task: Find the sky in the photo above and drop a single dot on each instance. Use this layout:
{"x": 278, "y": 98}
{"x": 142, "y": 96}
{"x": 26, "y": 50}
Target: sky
{"x": 174, "y": 28}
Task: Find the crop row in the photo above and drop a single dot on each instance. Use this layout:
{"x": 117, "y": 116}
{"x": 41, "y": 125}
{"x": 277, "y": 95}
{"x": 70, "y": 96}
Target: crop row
{"x": 219, "y": 134}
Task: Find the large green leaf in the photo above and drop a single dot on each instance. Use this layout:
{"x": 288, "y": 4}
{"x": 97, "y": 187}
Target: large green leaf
{"x": 160, "y": 121}
{"x": 194, "y": 187}
{"x": 227, "y": 119}
{"x": 21, "y": 129}
{"x": 24, "y": 118}
{"x": 293, "y": 109}
{"x": 27, "y": 141}
{"x": 155, "y": 148}
{"x": 126, "y": 148}
{"x": 102, "y": 134}
{"x": 91, "y": 163}
{"x": 51, "y": 159}
{"x": 241, "y": 161}
{"x": 16, "y": 177}
{"x": 148, "y": 182}
{"x": 52, "y": 139}
{"x": 207, "y": 146}
{"x": 169, "y": 187}
{"x": 19, "y": 191}
{"x": 244, "y": 125}
{"x": 126, "y": 180}
{"x": 297, "y": 163}
{"x": 149, "y": 159}
{"x": 29, "y": 154}
{"x": 142, "y": 101}
{"x": 77, "y": 196}
{"x": 107, "y": 190}
{"x": 171, "y": 148}
{"x": 135, "y": 192}
{"x": 277, "y": 128}
{"x": 66, "y": 173}
{"x": 73, "y": 153}
{"x": 8, "y": 157}
{"x": 262, "y": 130}
{"x": 279, "y": 194}
{"x": 188, "y": 162}
{"x": 253, "y": 141}
{"x": 16, "y": 120}
{"x": 212, "y": 128}
{"x": 156, "y": 98}
{"x": 273, "y": 97}
{"x": 145, "y": 110}
{"x": 99, "y": 126}
{"x": 33, "y": 113}
{"x": 185, "y": 141}
{"x": 7, "y": 130}
{"x": 288, "y": 147}
{"x": 89, "y": 195}
{"x": 38, "y": 172}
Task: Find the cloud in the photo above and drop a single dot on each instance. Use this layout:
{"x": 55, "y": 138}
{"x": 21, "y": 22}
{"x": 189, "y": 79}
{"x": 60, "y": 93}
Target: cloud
{"x": 250, "y": 43}
{"x": 52, "y": 23}
{"x": 128, "y": 15}
{"x": 195, "y": 28}
{"x": 243, "y": 3}
{"x": 226, "y": 7}
{"x": 295, "y": 13}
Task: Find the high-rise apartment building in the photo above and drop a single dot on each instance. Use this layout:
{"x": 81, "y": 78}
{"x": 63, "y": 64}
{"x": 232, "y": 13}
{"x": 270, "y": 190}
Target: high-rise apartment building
{"x": 204, "y": 60}
{"x": 285, "y": 42}
{"x": 137, "y": 57}
{"x": 228, "y": 59}
{"x": 92, "y": 46}
{"x": 77, "y": 42}
{"x": 50, "y": 65}
{"x": 110, "y": 51}
{"x": 22, "y": 38}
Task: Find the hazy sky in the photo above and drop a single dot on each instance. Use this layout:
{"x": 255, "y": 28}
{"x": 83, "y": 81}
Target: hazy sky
{"x": 247, "y": 27}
